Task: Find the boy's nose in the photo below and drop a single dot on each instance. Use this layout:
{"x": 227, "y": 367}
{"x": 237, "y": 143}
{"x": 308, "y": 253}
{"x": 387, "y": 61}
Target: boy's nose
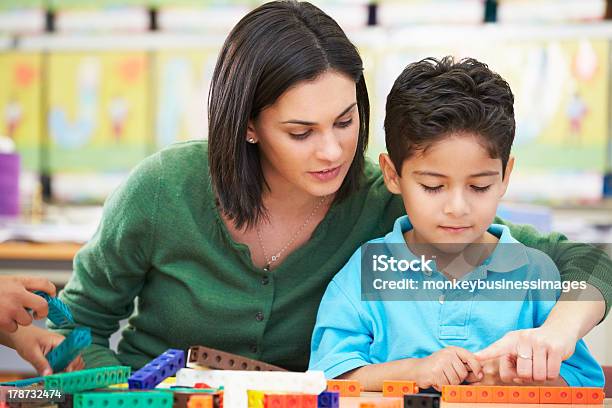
{"x": 457, "y": 205}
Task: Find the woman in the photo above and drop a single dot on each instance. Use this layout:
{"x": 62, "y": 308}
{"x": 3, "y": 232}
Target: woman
{"x": 231, "y": 243}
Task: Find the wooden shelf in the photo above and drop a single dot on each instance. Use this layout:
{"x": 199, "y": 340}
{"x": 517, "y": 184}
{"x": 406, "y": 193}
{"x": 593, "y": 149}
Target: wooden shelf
{"x": 38, "y": 251}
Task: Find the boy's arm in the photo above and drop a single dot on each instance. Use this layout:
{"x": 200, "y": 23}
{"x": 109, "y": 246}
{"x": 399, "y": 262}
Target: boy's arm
{"x": 576, "y": 262}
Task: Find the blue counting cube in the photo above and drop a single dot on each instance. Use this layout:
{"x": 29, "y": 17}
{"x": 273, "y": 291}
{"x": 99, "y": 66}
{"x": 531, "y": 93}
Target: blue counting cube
{"x": 162, "y": 367}
{"x": 58, "y": 311}
{"x": 328, "y": 399}
{"x": 69, "y": 349}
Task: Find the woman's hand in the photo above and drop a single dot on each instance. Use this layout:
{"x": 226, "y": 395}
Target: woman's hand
{"x": 531, "y": 355}
{"x": 33, "y": 343}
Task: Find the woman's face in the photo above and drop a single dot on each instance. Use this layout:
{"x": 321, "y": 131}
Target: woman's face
{"x": 307, "y": 139}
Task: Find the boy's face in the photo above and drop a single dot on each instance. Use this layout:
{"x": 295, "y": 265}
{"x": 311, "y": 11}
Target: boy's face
{"x": 451, "y": 190}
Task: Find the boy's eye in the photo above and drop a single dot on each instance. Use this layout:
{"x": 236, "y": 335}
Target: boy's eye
{"x": 345, "y": 124}
{"x": 480, "y": 189}
{"x": 300, "y": 136}
{"x": 432, "y": 189}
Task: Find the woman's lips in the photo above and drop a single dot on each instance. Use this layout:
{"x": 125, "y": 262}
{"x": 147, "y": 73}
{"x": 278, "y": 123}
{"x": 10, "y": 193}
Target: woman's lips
{"x": 326, "y": 175}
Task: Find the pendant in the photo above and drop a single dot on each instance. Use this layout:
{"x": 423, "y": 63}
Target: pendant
{"x": 267, "y": 268}
{"x": 273, "y": 259}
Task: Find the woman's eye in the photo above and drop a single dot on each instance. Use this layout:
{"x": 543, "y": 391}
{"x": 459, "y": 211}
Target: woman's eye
{"x": 345, "y": 124}
{"x": 300, "y": 136}
{"x": 480, "y": 189}
{"x": 432, "y": 189}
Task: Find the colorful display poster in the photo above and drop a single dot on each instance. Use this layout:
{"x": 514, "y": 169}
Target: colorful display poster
{"x": 20, "y": 104}
{"x": 98, "y": 111}
{"x": 182, "y": 83}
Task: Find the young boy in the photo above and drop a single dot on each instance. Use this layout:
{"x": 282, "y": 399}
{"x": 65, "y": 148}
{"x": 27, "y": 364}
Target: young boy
{"x": 449, "y": 129}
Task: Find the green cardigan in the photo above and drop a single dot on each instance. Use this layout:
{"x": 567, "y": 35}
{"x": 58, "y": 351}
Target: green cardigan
{"x": 163, "y": 249}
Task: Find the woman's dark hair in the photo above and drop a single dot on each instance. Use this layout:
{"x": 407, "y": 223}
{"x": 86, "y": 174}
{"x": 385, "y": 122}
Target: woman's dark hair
{"x": 274, "y": 47}
{"x": 433, "y": 98}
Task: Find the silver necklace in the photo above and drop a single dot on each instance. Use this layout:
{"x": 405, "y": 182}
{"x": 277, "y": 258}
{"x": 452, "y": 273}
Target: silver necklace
{"x": 275, "y": 257}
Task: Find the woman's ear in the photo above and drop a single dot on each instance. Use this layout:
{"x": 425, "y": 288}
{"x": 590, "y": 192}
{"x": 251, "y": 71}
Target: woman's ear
{"x": 251, "y": 135}
{"x": 390, "y": 175}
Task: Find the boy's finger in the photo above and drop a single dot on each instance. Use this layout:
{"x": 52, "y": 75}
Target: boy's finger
{"x": 460, "y": 369}
{"x": 451, "y": 375}
{"x": 33, "y": 283}
{"x": 471, "y": 361}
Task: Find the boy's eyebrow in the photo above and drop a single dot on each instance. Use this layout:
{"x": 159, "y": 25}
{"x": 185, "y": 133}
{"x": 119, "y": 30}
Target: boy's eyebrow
{"x": 485, "y": 174}
{"x": 306, "y": 123}
{"x": 434, "y": 174}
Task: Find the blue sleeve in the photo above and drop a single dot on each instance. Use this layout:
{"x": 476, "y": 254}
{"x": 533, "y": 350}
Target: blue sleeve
{"x": 581, "y": 369}
{"x": 341, "y": 338}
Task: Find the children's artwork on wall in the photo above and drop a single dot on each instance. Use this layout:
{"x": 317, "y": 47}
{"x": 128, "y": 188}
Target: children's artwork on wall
{"x": 97, "y": 111}
{"x": 561, "y": 108}
{"x": 182, "y": 84}
{"x": 20, "y": 106}
{"x": 98, "y": 119}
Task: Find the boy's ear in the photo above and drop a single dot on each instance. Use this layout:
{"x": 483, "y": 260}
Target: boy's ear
{"x": 507, "y": 173}
{"x": 390, "y": 175}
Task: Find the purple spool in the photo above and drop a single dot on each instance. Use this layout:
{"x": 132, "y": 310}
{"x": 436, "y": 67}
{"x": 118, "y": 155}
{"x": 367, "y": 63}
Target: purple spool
{"x": 9, "y": 184}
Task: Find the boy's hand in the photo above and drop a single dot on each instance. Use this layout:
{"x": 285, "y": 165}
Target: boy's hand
{"x": 16, "y": 295}
{"x": 447, "y": 366}
{"x": 490, "y": 374}
{"x": 33, "y": 343}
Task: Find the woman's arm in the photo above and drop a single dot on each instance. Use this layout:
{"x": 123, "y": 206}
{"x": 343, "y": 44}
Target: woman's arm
{"x": 547, "y": 346}
{"x": 576, "y": 262}
{"x": 110, "y": 270}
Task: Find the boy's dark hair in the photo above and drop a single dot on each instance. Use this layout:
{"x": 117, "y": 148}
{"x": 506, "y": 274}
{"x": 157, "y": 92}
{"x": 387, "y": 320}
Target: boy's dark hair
{"x": 433, "y": 98}
{"x": 271, "y": 49}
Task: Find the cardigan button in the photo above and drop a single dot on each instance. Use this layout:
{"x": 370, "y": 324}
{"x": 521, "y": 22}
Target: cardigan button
{"x": 259, "y": 316}
{"x": 253, "y": 348}
{"x": 265, "y": 280}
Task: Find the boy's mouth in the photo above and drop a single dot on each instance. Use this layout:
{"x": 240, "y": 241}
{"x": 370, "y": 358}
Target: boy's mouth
{"x": 454, "y": 229}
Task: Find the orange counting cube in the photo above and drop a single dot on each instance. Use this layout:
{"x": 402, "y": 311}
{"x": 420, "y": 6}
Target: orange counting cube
{"x": 499, "y": 394}
{"x": 483, "y": 394}
{"x": 579, "y": 395}
{"x": 467, "y": 393}
{"x": 293, "y": 401}
{"x": 595, "y": 395}
{"x": 524, "y": 395}
{"x": 555, "y": 395}
{"x": 530, "y": 395}
{"x": 274, "y": 401}
{"x": 309, "y": 401}
{"x": 200, "y": 401}
{"x": 451, "y": 393}
{"x": 346, "y": 388}
{"x": 399, "y": 388}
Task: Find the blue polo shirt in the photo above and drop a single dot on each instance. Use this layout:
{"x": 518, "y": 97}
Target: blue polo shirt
{"x": 350, "y": 333}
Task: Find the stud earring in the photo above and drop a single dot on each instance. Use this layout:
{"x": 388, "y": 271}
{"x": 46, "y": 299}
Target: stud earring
{"x": 251, "y": 140}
